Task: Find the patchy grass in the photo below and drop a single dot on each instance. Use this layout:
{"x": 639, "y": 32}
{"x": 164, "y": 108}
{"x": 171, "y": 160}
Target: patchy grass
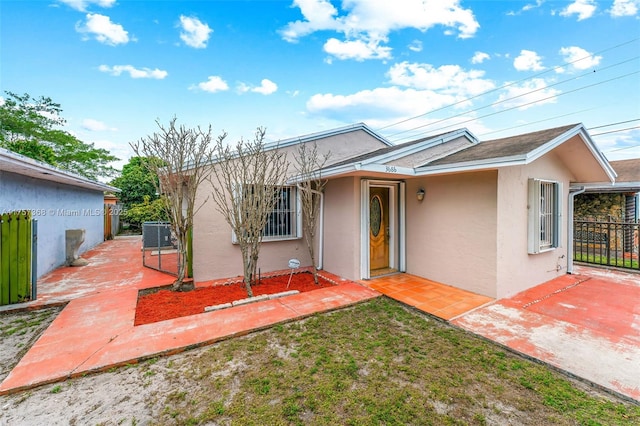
{"x": 375, "y": 363}
{"x": 18, "y": 331}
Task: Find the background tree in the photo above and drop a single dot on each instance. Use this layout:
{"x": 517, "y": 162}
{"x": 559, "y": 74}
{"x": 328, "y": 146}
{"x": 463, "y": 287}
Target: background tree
{"x": 139, "y": 194}
{"x": 136, "y": 182}
{"x": 32, "y": 127}
{"x": 246, "y": 180}
{"x": 147, "y": 210}
{"x": 182, "y": 155}
{"x": 308, "y": 163}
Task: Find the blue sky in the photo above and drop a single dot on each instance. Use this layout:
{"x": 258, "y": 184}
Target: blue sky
{"x": 407, "y": 68}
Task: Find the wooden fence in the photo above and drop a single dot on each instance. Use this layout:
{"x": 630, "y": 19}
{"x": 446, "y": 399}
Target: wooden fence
{"x": 17, "y": 257}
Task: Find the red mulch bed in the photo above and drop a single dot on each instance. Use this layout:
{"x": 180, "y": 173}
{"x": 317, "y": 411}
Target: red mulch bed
{"x": 166, "y": 304}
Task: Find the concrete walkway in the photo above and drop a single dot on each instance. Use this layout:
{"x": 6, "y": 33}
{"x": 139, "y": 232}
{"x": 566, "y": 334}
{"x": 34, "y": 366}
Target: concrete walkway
{"x": 95, "y": 330}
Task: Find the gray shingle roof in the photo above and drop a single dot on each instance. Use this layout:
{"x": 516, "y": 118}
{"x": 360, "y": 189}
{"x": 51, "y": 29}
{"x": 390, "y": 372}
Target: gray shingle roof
{"x": 386, "y": 150}
{"x": 627, "y": 170}
{"x": 505, "y": 147}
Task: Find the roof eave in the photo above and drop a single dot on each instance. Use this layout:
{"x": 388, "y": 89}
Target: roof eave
{"x": 43, "y": 171}
{"x": 492, "y": 163}
{"x": 325, "y": 134}
{"x": 560, "y": 139}
{"x": 427, "y": 143}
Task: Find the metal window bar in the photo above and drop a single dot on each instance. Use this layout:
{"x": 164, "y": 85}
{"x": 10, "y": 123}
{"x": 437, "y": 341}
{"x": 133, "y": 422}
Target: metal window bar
{"x": 547, "y": 214}
{"x": 281, "y": 220}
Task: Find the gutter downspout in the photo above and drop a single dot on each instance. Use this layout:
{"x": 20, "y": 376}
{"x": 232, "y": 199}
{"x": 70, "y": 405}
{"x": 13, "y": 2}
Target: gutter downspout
{"x": 320, "y": 259}
{"x": 572, "y": 195}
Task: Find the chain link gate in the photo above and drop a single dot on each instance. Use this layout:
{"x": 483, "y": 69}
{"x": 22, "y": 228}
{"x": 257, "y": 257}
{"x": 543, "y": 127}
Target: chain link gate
{"x": 160, "y": 247}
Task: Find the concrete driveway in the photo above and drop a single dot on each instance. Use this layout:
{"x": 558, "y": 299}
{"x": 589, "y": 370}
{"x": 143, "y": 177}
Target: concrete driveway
{"x": 586, "y": 324}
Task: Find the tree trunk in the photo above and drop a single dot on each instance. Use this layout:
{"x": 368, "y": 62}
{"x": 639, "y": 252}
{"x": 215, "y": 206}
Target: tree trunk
{"x": 178, "y": 284}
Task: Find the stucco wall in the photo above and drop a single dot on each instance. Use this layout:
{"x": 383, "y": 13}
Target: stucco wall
{"x": 518, "y": 270}
{"x": 342, "y": 227}
{"x": 451, "y": 235}
{"x": 214, "y": 255}
{"x": 57, "y": 208}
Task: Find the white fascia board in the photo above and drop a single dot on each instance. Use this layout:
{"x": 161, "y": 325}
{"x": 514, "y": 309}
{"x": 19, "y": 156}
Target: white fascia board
{"x": 12, "y": 162}
{"x": 327, "y": 173}
{"x": 325, "y": 134}
{"x": 584, "y": 135}
{"x": 609, "y": 187}
{"x": 492, "y": 163}
{"x": 359, "y": 167}
{"x": 391, "y": 170}
{"x": 313, "y": 136}
{"x": 413, "y": 149}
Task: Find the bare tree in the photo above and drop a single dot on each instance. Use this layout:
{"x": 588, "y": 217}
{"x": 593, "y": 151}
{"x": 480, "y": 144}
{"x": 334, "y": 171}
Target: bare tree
{"x": 308, "y": 165}
{"x": 246, "y": 189}
{"x": 181, "y": 154}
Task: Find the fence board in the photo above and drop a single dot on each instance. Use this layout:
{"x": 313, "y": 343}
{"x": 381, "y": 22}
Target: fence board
{"x": 4, "y": 256}
{"x": 15, "y": 257}
{"x": 24, "y": 258}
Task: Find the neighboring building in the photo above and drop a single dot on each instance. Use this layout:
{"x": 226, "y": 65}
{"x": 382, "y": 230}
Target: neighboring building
{"x": 619, "y": 201}
{"x": 59, "y": 200}
{"x": 489, "y": 217}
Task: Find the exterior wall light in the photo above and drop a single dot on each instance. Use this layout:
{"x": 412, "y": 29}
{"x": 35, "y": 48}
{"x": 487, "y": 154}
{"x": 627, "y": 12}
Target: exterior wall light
{"x": 420, "y": 194}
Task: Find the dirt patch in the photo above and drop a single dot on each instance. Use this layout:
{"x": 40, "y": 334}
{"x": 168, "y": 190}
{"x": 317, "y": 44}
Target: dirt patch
{"x": 19, "y": 330}
{"x": 154, "y": 306}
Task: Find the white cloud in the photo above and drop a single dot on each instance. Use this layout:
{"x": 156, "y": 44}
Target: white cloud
{"x": 579, "y": 58}
{"x": 415, "y": 46}
{"x": 81, "y": 5}
{"x": 532, "y": 6}
{"x": 357, "y": 49}
{"x": 134, "y": 72}
{"x": 528, "y": 61}
{"x": 105, "y": 31}
{"x": 267, "y": 87}
{"x": 366, "y": 24}
{"x": 479, "y": 57}
{"x": 194, "y": 32}
{"x": 377, "y": 103}
{"x": 95, "y": 125}
{"x": 526, "y": 8}
{"x": 530, "y": 93}
{"x": 447, "y": 79}
{"x": 624, "y": 8}
{"x": 213, "y": 84}
{"x": 583, "y": 8}
{"x": 415, "y": 89}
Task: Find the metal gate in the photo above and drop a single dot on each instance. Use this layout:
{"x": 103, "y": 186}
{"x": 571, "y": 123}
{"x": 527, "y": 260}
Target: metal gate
{"x": 159, "y": 247}
{"x": 607, "y": 243}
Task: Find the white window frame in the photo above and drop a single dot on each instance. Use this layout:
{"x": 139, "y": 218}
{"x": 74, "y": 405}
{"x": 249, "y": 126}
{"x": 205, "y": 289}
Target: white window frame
{"x": 295, "y": 216}
{"x": 545, "y": 215}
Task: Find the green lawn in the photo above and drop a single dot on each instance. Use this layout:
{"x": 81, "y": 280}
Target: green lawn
{"x": 602, "y": 260}
{"x": 375, "y": 363}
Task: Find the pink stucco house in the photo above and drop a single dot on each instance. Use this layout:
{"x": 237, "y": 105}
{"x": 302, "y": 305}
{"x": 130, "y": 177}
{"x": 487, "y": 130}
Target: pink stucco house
{"x": 491, "y": 217}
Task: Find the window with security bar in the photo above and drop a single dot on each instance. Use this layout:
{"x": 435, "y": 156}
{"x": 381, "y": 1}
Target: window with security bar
{"x": 544, "y": 215}
{"x": 281, "y": 221}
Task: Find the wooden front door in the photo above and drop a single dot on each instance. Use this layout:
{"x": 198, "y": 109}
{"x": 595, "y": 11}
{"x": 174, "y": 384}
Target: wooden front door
{"x": 378, "y": 228}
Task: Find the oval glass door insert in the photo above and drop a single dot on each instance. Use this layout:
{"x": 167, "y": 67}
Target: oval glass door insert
{"x": 375, "y": 215}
